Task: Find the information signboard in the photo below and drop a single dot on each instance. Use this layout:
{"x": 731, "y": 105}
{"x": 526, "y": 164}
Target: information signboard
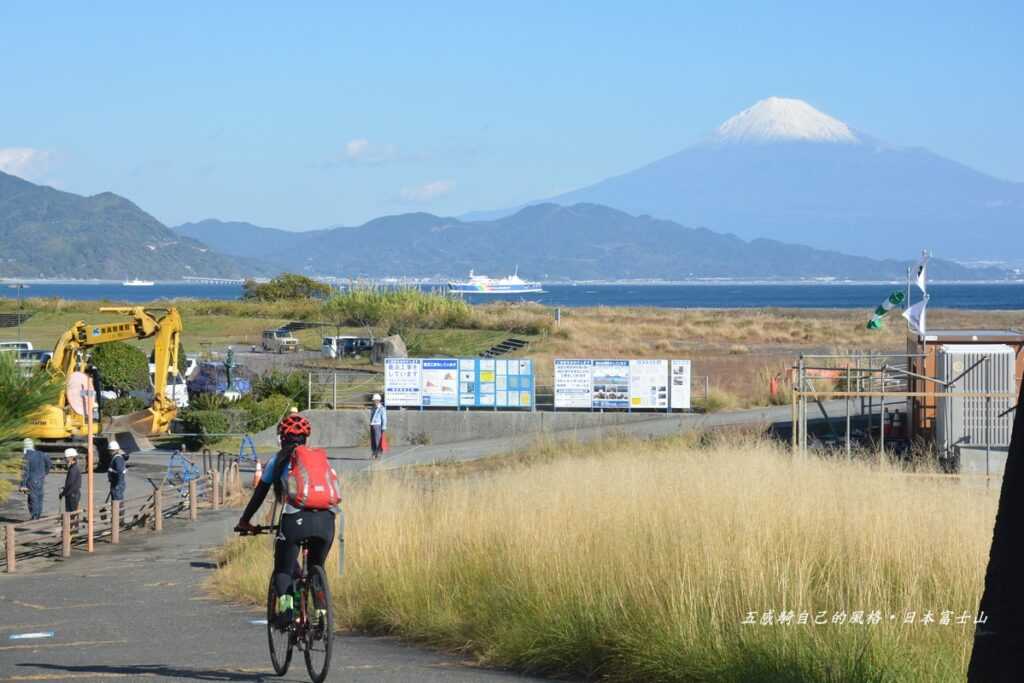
{"x": 680, "y": 389}
{"x": 403, "y": 383}
{"x": 454, "y": 382}
{"x": 610, "y": 388}
{"x": 440, "y": 382}
{"x": 648, "y": 384}
{"x": 639, "y": 384}
{"x": 573, "y": 382}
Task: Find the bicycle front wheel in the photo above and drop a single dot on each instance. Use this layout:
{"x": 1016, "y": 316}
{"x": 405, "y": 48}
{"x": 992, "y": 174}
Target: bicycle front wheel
{"x": 316, "y": 600}
{"x": 280, "y": 642}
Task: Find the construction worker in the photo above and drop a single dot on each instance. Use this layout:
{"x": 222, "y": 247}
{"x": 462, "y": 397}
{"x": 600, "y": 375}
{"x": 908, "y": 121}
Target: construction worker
{"x": 72, "y": 491}
{"x": 33, "y": 475}
{"x": 116, "y": 471}
{"x": 378, "y": 425}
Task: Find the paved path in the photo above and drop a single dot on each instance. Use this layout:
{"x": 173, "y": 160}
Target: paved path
{"x": 139, "y": 612}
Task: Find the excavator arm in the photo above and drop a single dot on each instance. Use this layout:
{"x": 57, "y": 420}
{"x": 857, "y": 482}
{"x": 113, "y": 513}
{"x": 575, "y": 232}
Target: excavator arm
{"x": 59, "y": 422}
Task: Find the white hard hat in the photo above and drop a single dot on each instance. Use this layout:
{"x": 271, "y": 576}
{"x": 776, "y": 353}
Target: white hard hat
{"x": 27, "y": 443}
{"x": 376, "y": 397}
{"x": 70, "y": 453}
{"x": 113, "y": 445}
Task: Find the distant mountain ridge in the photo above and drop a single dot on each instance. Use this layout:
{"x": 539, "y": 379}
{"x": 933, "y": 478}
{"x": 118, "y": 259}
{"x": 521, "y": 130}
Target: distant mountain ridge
{"x": 548, "y": 241}
{"x": 45, "y": 232}
{"x": 786, "y": 171}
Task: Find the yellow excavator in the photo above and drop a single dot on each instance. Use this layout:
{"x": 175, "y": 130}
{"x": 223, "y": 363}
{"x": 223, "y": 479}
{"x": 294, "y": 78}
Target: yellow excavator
{"x": 67, "y": 421}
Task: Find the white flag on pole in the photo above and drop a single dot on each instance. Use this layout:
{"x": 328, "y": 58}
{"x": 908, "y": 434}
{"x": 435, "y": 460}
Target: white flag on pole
{"x": 915, "y": 316}
{"x": 919, "y": 272}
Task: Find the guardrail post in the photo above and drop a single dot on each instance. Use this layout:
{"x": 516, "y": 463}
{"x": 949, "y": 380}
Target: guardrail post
{"x": 65, "y": 535}
{"x": 215, "y": 485}
{"x": 193, "y": 510}
{"x": 115, "y": 521}
{"x": 158, "y": 510}
{"x": 12, "y": 560}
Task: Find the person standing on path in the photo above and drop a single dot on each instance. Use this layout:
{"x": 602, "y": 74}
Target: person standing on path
{"x": 378, "y": 425}
{"x": 37, "y": 465}
{"x": 72, "y": 491}
{"x": 116, "y": 471}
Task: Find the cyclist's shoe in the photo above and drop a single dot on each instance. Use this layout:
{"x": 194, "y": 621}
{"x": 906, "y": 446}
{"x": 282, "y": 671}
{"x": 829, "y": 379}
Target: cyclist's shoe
{"x": 284, "y": 613}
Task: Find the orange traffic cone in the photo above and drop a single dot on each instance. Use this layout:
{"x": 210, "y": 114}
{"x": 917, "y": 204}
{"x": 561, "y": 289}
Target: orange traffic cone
{"x": 257, "y": 474}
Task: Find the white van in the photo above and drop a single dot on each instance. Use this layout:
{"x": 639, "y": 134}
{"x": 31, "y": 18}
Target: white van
{"x": 176, "y": 389}
{"x": 337, "y": 347}
{"x": 15, "y": 345}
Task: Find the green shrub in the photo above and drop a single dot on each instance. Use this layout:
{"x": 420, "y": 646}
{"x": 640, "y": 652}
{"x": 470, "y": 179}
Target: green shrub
{"x": 208, "y": 402}
{"x": 268, "y": 412}
{"x": 290, "y": 384}
{"x": 204, "y": 426}
{"x": 123, "y": 405}
{"x": 122, "y": 367}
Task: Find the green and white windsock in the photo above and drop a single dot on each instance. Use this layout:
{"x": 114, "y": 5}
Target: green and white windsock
{"x": 894, "y": 300}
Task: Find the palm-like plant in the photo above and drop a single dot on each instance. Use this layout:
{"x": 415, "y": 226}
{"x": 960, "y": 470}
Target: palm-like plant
{"x": 20, "y": 397}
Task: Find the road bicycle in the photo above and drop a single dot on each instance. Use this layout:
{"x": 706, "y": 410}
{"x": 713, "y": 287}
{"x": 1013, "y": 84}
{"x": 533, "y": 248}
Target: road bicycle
{"x": 311, "y": 627}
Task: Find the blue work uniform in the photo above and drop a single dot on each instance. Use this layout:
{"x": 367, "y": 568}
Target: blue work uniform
{"x": 37, "y": 466}
{"x": 116, "y": 476}
{"x": 378, "y": 425}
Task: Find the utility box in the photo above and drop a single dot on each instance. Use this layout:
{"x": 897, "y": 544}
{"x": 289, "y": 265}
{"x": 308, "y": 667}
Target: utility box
{"x": 974, "y": 420}
{"x": 925, "y": 352}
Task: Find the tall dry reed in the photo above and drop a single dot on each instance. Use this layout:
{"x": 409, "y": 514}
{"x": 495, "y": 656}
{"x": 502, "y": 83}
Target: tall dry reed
{"x": 642, "y": 561}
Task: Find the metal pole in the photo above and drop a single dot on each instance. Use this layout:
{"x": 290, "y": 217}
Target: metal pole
{"x": 309, "y": 391}
{"x": 988, "y": 420}
{"x": 90, "y": 465}
{"x": 881, "y": 418}
{"x": 792, "y": 419}
{"x": 848, "y": 453}
{"x": 334, "y": 403}
{"x": 802, "y": 410}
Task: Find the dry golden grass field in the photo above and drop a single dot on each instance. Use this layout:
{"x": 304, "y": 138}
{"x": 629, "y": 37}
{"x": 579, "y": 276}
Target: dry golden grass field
{"x": 641, "y": 561}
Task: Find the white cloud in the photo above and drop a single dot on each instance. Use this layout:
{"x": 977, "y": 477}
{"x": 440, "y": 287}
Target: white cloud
{"x": 25, "y": 162}
{"x": 428, "y": 192}
{"x": 362, "y": 151}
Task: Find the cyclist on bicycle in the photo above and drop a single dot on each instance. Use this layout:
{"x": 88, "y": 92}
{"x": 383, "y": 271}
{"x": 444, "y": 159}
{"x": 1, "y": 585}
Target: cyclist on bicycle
{"x": 307, "y": 487}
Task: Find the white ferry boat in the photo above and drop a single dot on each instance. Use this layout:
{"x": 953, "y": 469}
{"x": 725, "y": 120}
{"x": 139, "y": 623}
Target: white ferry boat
{"x": 137, "y": 283}
{"x": 481, "y": 284}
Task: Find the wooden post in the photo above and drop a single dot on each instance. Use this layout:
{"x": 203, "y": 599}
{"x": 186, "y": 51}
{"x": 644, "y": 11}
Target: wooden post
{"x": 215, "y": 486}
{"x": 115, "y": 521}
{"x": 158, "y": 510}
{"x": 12, "y": 560}
{"x": 65, "y": 535}
{"x": 193, "y": 509}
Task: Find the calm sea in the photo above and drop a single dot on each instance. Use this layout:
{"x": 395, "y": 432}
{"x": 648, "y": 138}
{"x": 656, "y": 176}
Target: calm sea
{"x": 974, "y": 296}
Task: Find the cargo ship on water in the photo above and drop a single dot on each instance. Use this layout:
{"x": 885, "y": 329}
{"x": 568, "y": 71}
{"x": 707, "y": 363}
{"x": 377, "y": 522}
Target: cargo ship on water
{"x": 481, "y": 284}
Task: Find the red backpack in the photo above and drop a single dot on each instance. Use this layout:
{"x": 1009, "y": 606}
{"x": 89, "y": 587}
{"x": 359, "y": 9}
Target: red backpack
{"x": 312, "y": 482}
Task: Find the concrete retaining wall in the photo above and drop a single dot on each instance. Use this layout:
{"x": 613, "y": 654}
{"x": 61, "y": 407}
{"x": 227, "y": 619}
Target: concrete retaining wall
{"x": 347, "y": 428}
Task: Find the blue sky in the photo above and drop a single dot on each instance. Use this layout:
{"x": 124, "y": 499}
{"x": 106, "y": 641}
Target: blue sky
{"x": 335, "y": 113}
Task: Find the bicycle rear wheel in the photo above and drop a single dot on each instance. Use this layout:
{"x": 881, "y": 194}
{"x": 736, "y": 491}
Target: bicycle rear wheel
{"x": 316, "y": 600}
{"x": 280, "y": 642}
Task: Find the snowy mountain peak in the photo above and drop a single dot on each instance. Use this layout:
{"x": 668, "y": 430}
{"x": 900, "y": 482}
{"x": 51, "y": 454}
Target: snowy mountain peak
{"x": 780, "y": 119}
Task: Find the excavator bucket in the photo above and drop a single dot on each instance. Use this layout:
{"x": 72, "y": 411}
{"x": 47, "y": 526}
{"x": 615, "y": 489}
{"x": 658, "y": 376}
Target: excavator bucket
{"x": 133, "y": 428}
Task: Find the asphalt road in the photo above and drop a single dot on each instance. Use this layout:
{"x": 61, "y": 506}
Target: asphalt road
{"x": 139, "y": 612}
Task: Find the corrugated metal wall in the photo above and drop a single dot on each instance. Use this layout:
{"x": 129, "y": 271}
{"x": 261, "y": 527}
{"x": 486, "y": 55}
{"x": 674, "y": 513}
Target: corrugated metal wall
{"x": 962, "y": 421}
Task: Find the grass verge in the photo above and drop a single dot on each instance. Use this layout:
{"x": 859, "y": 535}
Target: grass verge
{"x": 640, "y": 560}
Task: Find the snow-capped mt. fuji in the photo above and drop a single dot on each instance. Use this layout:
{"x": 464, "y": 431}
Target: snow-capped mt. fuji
{"x": 784, "y": 170}
{"x": 779, "y": 119}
